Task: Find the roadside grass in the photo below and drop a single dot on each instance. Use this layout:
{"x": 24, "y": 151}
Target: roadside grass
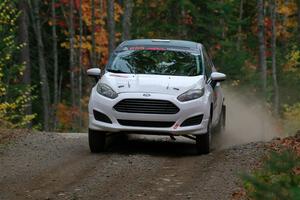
{"x": 277, "y": 176}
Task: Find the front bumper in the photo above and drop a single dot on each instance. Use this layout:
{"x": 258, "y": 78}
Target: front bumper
{"x": 189, "y": 109}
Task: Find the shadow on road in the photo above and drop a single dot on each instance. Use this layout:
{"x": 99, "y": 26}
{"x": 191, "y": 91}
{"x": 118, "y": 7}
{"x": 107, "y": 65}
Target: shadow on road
{"x": 151, "y": 145}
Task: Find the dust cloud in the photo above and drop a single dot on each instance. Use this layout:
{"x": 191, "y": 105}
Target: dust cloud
{"x": 247, "y": 121}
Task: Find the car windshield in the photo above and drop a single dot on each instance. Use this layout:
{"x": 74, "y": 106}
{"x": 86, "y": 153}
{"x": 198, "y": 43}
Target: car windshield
{"x": 161, "y": 62}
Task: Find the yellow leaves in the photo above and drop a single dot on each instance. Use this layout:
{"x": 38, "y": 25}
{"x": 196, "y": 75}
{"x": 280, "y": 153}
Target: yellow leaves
{"x": 118, "y": 12}
{"x": 291, "y": 23}
{"x": 8, "y": 56}
{"x": 100, "y": 32}
{"x": 293, "y": 61}
{"x": 287, "y": 8}
{"x": 2, "y": 90}
{"x": 26, "y": 120}
{"x": 7, "y": 13}
{"x": 10, "y": 112}
{"x": 282, "y": 32}
{"x": 287, "y": 11}
{"x": 87, "y": 45}
{"x": 65, "y": 45}
{"x": 12, "y": 104}
{"x": 235, "y": 83}
{"x": 5, "y": 106}
{"x": 295, "y": 56}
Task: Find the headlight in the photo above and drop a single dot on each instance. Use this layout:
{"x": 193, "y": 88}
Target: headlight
{"x": 106, "y": 91}
{"x": 191, "y": 95}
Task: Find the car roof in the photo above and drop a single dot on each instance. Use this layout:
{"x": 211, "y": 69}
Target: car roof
{"x": 176, "y": 44}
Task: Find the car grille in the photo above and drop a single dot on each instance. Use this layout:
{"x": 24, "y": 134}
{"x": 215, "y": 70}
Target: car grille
{"x": 146, "y": 123}
{"x": 146, "y": 106}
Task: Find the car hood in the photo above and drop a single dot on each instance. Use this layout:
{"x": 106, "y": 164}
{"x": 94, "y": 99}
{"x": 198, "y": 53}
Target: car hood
{"x": 162, "y": 84}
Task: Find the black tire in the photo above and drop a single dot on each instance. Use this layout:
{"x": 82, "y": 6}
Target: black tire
{"x": 203, "y": 142}
{"x": 96, "y": 141}
{"x": 220, "y": 128}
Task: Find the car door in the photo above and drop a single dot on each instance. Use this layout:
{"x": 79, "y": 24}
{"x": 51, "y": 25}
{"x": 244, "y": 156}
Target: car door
{"x": 217, "y": 95}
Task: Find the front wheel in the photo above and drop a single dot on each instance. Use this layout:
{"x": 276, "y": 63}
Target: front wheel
{"x": 96, "y": 141}
{"x": 203, "y": 142}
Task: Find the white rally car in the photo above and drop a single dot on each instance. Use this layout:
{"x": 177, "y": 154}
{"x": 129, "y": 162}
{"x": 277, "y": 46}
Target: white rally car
{"x": 167, "y": 87}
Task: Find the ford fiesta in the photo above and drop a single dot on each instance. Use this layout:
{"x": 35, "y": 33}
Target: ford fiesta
{"x": 167, "y": 87}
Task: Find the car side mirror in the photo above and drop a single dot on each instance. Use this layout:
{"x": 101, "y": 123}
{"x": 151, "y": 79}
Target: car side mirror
{"x": 95, "y": 73}
{"x": 218, "y": 77}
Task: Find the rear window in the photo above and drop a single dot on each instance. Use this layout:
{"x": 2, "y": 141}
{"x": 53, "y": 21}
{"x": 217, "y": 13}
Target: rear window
{"x": 156, "y": 61}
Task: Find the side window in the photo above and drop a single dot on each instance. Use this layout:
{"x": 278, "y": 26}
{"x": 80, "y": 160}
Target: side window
{"x": 207, "y": 63}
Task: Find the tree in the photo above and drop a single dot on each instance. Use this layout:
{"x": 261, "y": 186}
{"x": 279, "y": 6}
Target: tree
{"x": 15, "y": 96}
{"x": 93, "y": 32}
{"x": 55, "y": 58}
{"x": 262, "y": 48}
{"x": 24, "y": 39}
{"x": 239, "y": 40}
{"x": 126, "y": 24}
{"x": 111, "y": 26}
{"x": 72, "y": 53}
{"x": 298, "y": 3}
{"x": 80, "y": 62}
{"x": 82, "y": 33}
{"x": 45, "y": 91}
{"x": 273, "y": 49}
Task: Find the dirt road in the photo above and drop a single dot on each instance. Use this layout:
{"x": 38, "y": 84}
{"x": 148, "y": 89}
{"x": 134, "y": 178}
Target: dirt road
{"x": 60, "y": 166}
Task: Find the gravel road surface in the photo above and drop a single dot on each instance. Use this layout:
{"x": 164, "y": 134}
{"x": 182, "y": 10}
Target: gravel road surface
{"x": 60, "y": 166}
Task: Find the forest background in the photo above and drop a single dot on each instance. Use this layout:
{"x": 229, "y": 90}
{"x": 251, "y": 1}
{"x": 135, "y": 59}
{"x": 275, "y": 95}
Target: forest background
{"x": 46, "y": 46}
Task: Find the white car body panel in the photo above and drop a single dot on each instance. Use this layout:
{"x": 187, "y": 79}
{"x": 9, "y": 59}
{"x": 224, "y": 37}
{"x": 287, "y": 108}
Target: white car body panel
{"x": 158, "y": 84}
{"x": 159, "y": 87}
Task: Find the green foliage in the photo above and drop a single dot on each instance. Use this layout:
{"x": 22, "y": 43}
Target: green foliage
{"x": 14, "y": 96}
{"x": 277, "y": 179}
{"x": 234, "y": 62}
{"x": 291, "y": 118}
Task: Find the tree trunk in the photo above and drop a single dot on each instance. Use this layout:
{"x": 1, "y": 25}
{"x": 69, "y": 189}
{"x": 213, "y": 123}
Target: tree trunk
{"x": 239, "y": 40}
{"x": 60, "y": 86}
{"x": 183, "y": 31}
{"x": 80, "y": 62}
{"x": 126, "y": 24}
{"x": 45, "y": 92}
{"x": 93, "y": 56}
{"x": 111, "y": 26}
{"x": 262, "y": 48}
{"x": 298, "y": 2}
{"x": 101, "y": 13}
{"x": 55, "y": 58}
{"x": 72, "y": 54}
{"x": 25, "y": 52}
{"x": 273, "y": 46}
{"x": 222, "y": 22}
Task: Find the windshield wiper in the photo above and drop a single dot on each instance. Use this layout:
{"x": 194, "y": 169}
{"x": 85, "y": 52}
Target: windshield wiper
{"x": 116, "y": 71}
